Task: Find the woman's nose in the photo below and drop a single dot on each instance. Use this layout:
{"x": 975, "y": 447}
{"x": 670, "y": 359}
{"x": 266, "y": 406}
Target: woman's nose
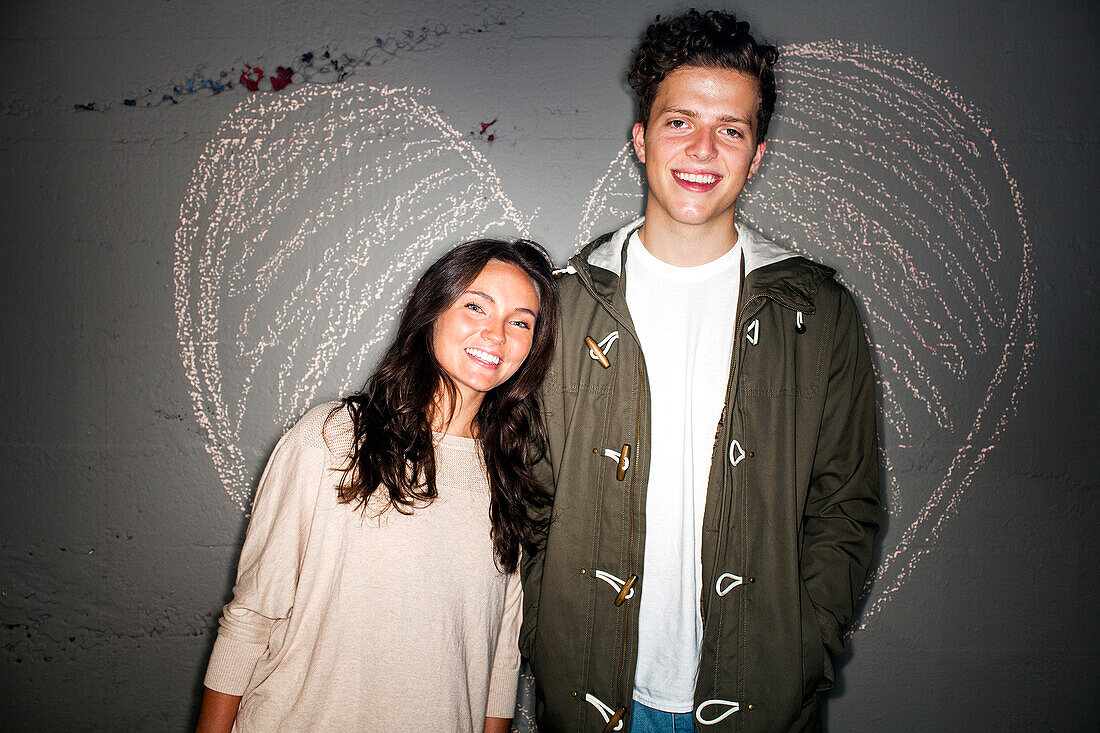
{"x": 493, "y": 331}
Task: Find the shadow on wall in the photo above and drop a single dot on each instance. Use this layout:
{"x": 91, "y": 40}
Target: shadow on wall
{"x": 212, "y": 630}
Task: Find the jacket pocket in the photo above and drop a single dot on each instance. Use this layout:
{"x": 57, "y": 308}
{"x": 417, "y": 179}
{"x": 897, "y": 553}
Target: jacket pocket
{"x": 780, "y": 361}
{"x": 813, "y": 647}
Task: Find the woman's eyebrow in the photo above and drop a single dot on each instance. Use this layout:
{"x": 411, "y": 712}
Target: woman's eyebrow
{"x": 491, "y": 299}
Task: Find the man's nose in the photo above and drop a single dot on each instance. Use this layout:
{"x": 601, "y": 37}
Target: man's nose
{"x": 701, "y": 146}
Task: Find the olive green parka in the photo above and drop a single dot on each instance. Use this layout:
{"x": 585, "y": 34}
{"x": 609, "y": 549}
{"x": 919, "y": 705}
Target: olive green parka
{"x": 791, "y": 512}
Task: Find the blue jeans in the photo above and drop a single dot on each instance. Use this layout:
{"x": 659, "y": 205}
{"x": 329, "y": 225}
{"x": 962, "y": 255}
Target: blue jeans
{"x": 647, "y": 720}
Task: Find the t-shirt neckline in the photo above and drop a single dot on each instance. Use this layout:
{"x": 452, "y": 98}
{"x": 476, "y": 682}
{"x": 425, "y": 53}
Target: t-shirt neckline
{"x": 729, "y": 261}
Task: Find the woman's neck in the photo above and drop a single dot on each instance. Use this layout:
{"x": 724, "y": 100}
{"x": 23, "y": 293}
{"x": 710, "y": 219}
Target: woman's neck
{"x": 457, "y": 419}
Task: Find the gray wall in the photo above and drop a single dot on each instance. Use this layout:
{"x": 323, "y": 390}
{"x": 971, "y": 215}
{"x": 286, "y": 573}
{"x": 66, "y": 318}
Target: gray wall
{"x": 181, "y": 280}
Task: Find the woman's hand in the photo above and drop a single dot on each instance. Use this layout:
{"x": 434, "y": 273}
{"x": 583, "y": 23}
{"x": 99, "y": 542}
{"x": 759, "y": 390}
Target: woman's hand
{"x": 498, "y": 725}
{"x": 219, "y": 711}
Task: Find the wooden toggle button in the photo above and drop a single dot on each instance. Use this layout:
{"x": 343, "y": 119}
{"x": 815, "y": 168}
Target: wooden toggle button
{"x": 624, "y": 462}
{"x": 614, "y": 720}
{"x": 595, "y": 349}
{"x": 625, "y": 590}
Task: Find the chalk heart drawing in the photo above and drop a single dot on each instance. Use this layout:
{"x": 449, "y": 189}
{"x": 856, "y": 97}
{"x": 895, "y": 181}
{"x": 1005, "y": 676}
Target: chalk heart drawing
{"x": 310, "y": 214}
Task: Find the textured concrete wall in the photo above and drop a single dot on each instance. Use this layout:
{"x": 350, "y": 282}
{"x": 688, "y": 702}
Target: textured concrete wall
{"x": 182, "y": 277}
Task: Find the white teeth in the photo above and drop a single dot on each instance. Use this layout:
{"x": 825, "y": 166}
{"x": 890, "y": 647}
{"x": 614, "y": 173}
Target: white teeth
{"x": 484, "y": 356}
{"x": 697, "y": 177}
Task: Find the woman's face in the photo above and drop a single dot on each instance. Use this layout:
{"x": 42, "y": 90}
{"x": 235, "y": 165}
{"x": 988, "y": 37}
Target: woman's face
{"x": 484, "y": 336}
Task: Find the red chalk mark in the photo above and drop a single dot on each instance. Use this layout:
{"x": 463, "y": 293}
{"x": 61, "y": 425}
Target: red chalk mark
{"x": 250, "y": 77}
{"x": 281, "y": 78}
{"x": 485, "y": 126}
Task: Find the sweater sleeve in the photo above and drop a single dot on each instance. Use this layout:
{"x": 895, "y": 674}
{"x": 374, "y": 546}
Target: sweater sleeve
{"x": 505, "y": 676}
{"x": 267, "y": 575}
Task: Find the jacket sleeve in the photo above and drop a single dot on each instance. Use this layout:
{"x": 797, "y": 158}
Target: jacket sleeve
{"x": 531, "y": 564}
{"x": 843, "y": 509}
{"x": 267, "y": 575}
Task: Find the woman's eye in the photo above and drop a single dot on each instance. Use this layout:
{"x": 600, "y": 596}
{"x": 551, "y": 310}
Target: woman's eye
{"x": 522, "y": 324}
{"x": 475, "y": 307}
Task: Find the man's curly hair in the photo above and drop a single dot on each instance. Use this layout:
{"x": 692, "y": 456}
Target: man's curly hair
{"x": 712, "y": 39}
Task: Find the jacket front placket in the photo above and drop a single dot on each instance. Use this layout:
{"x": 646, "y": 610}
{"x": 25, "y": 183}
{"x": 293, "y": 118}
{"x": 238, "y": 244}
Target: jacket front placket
{"x": 612, "y": 298}
{"x": 720, "y": 689}
{"x": 715, "y": 685}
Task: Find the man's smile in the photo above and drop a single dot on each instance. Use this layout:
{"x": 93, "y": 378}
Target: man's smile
{"x": 706, "y": 179}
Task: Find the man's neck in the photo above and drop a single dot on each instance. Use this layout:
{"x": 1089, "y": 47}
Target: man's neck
{"x": 687, "y": 245}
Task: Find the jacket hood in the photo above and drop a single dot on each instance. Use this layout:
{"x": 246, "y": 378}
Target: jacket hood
{"x": 770, "y": 270}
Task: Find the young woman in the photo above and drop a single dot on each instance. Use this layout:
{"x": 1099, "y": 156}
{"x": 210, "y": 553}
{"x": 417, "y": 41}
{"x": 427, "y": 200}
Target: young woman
{"x": 377, "y": 586}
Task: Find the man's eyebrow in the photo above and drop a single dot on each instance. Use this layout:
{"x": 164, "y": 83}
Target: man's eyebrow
{"x": 684, "y": 112}
{"x": 735, "y": 118}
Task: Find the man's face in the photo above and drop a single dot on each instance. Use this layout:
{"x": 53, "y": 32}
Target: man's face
{"x": 699, "y": 147}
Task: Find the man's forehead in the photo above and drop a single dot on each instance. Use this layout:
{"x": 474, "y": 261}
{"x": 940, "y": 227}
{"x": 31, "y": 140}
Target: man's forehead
{"x": 711, "y": 76}
{"x": 686, "y": 86}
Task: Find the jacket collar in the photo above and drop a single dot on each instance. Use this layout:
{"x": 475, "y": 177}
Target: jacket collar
{"x": 770, "y": 270}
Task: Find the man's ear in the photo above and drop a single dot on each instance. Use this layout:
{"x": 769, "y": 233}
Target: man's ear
{"x": 638, "y": 135}
{"x": 757, "y": 158}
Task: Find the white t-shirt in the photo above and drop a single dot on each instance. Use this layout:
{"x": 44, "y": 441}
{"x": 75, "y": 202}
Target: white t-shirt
{"x": 684, "y": 318}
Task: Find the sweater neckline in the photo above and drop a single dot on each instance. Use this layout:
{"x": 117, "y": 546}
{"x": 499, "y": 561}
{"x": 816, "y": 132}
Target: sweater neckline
{"x": 445, "y": 440}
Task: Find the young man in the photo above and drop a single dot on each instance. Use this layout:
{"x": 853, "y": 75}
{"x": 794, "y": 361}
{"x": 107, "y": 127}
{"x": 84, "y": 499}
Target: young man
{"x": 712, "y": 437}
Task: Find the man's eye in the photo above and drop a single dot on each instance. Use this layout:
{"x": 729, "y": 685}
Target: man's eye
{"x": 676, "y": 123}
{"x": 733, "y": 132}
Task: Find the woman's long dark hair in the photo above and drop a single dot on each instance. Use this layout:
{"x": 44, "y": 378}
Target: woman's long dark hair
{"x": 391, "y": 417}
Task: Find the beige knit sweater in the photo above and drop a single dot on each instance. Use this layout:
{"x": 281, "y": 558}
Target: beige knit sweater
{"x": 377, "y": 623}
